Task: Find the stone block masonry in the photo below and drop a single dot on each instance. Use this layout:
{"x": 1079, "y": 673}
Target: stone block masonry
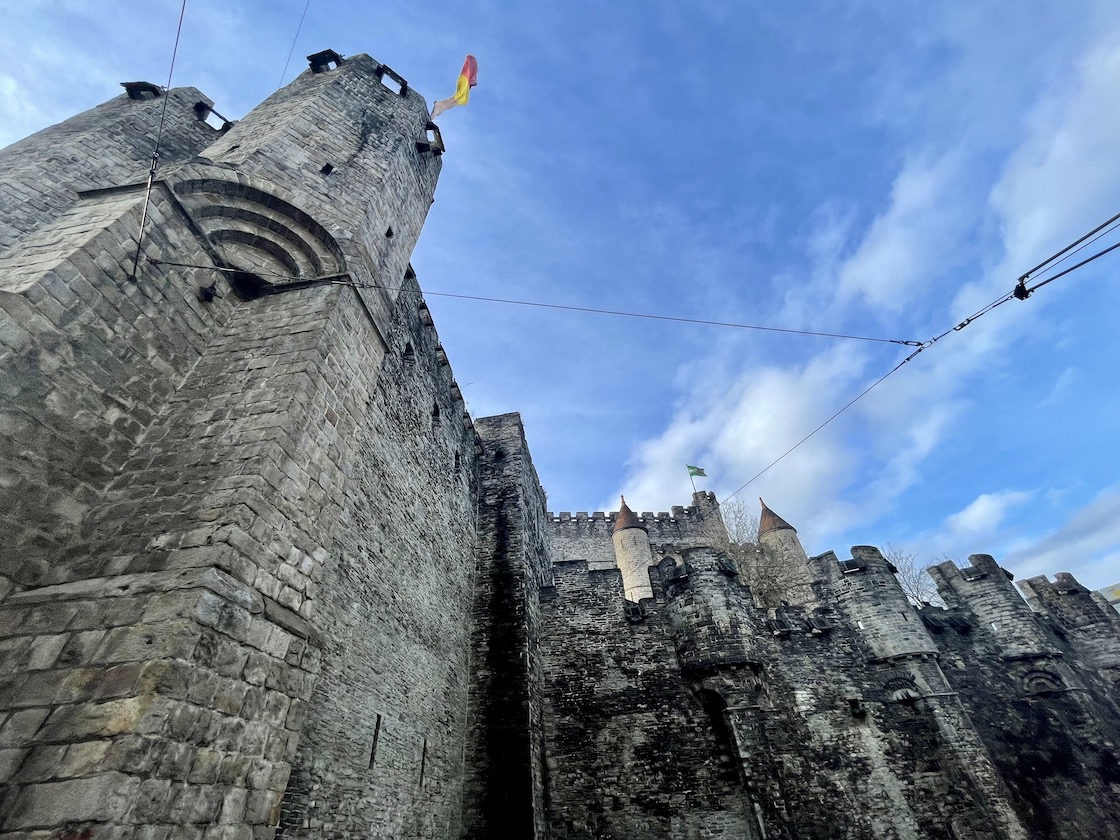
{"x": 263, "y": 575}
{"x": 165, "y": 639}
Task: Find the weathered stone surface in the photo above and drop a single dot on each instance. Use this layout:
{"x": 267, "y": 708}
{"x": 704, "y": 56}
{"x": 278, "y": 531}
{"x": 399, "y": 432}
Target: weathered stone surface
{"x": 104, "y": 797}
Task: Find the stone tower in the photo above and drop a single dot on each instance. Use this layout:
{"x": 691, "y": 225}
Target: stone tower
{"x": 782, "y": 571}
{"x": 632, "y": 553}
{"x": 210, "y": 472}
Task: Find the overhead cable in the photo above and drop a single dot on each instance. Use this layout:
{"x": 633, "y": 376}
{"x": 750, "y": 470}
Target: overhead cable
{"x": 1020, "y": 292}
{"x": 292, "y": 49}
{"x": 569, "y": 308}
{"x": 848, "y": 405}
{"x": 159, "y": 139}
{"x": 674, "y": 318}
{"x": 1072, "y": 245}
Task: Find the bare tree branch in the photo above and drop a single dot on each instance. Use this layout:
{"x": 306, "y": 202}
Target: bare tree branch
{"x": 772, "y": 581}
{"x": 916, "y": 583}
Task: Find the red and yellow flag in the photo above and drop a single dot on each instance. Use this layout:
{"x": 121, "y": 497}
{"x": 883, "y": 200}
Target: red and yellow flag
{"x": 468, "y": 78}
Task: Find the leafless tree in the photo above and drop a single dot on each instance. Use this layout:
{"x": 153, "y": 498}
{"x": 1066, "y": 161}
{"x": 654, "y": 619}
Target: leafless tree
{"x": 772, "y": 580}
{"x": 916, "y": 583}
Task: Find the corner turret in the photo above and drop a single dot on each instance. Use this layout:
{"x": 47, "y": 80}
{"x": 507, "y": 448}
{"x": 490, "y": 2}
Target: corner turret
{"x": 632, "y": 553}
{"x": 869, "y": 593}
{"x": 781, "y": 572}
{"x": 1087, "y": 623}
{"x": 985, "y": 589}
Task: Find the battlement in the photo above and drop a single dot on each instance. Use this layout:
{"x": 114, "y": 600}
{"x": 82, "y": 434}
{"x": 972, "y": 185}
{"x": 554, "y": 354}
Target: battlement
{"x": 984, "y": 589}
{"x": 679, "y": 515}
{"x": 1079, "y": 615}
{"x": 697, "y": 524}
{"x": 871, "y": 598}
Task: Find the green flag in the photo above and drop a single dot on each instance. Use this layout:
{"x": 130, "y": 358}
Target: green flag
{"x": 694, "y": 472}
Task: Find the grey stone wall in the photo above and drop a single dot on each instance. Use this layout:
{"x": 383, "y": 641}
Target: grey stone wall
{"x": 106, "y": 146}
{"x": 505, "y": 739}
{"x": 632, "y": 750}
{"x": 88, "y": 361}
{"x": 164, "y": 636}
{"x": 585, "y": 536}
{"x": 1036, "y": 694}
{"x": 828, "y": 734}
{"x": 381, "y": 753}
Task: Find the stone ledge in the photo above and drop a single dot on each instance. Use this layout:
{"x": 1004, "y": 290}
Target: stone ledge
{"x": 119, "y": 586}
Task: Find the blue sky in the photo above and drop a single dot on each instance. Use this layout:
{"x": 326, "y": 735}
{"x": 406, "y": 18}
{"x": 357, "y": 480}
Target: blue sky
{"x": 875, "y": 168}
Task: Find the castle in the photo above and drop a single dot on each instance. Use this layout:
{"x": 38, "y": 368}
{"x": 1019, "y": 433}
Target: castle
{"x": 263, "y": 576}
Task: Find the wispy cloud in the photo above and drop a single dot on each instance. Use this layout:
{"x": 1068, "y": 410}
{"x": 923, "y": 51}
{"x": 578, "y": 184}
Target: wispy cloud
{"x": 904, "y": 249}
{"x": 1085, "y": 543}
{"x": 915, "y": 262}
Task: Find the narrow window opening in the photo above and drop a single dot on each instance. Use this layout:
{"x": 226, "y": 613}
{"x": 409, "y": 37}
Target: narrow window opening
{"x": 435, "y": 416}
{"x": 140, "y": 91}
{"x": 726, "y": 752}
{"x": 321, "y": 62}
{"x": 206, "y": 113}
{"x": 458, "y": 463}
{"x": 392, "y": 80}
{"x": 389, "y": 232}
{"x": 409, "y": 356}
{"x": 430, "y": 140}
{"x": 423, "y": 760}
{"x": 327, "y": 169}
{"x": 376, "y": 736}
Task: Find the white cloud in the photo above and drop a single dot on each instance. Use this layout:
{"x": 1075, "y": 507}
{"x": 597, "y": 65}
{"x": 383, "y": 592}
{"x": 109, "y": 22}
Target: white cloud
{"x": 1050, "y": 183}
{"x": 904, "y": 249}
{"x": 1064, "y": 177}
{"x": 18, "y": 109}
{"x": 742, "y": 425}
{"x": 982, "y": 518}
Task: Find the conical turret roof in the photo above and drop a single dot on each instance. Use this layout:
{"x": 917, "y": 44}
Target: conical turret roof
{"x": 626, "y": 518}
{"x": 769, "y": 521}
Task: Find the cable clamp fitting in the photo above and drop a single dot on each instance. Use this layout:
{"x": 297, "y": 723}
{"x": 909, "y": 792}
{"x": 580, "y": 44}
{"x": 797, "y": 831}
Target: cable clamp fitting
{"x": 1021, "y": 292}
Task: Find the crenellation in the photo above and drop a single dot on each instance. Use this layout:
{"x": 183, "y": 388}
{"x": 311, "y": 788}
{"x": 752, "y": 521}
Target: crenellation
{"x": 1088, "y": 626}
{"x": 984, "y": 589}
{"x": 869, "y": 594}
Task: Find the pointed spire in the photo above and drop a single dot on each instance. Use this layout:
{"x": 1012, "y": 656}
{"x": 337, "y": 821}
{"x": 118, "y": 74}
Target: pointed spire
{"x": 626, "y": 518}
{"x": 770, "y": 521}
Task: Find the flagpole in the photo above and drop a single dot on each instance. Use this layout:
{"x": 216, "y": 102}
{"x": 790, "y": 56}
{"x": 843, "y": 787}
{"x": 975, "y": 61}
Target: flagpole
{"x": 693, "y": 480}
